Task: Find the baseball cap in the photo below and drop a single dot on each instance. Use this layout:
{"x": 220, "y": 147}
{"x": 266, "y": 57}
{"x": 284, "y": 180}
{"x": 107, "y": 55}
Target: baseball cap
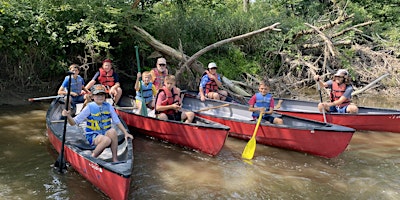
{"x": 212, "y": 65}
{"x": 107, "y": 60}
{"x": 341, "y": 72}
{"x": 98, "y": 88}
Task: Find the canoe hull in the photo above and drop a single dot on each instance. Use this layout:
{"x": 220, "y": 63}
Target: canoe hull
{"x": 312, "y": 137}
{"x": 113, "y": 179}
{"x": 206, "y": 139}
{"x": 368, "y": 119}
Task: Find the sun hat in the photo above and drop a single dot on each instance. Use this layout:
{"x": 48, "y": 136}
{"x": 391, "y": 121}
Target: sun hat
{"x": 97, "y": 89}
{"x": 212, "y": 65}
{"x": 341, "y": 72}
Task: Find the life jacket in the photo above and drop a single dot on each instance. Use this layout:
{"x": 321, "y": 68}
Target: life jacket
{"x": 262, "y": 101}
{"x": 99, "y": 119}
{"x": 159, "y": 80}
{"x": 76, "y": 84}
{"x": 338, "y": 91}
{"x": 171, "y": 98}
{"x": 145, "y": 92}
{"x": 106, "y": 78}
{"x": 211, "y": 85}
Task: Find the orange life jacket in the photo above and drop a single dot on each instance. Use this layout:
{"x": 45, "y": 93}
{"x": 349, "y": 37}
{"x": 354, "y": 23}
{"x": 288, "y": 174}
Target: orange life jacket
{"x": 172, "y": 97}
{"x": 337, "y": 92}
{"x": 106, "y": 78}
{"x": 159, "y": 80}
{"x": 211, "y": 86}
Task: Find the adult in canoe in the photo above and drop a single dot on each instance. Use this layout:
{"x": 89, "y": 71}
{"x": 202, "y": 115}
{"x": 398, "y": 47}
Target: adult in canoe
{"x": 340, "y": 96}
{"x": 263, "y": 102}
{"x": 159, "y": 73}
{"x": 79, "y": 93}
{"x": 99, "y": 115}
{"x": 210, "y": 83}
{"x": 169, "y": 103}
{"x": 108, "y": 78}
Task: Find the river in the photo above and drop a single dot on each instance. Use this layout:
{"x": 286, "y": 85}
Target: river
{"x": 368, "y": 169}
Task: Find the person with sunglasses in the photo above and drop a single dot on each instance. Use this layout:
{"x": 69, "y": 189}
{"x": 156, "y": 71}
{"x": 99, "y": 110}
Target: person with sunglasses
{"x": 159, "y": 73}
{"x": 340, "y": 96}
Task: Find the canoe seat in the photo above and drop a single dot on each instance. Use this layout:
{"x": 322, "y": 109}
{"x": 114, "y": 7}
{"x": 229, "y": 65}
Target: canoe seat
{"x": 84, "y": 145}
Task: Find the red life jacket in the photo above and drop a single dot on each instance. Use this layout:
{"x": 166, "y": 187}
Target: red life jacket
{"x": 106, "y": 78}
{"x": 172, "y": 97}
{"x": 159, "y": 80}
{"x": 211, "y": 86}
{"x": 337, "y": 92}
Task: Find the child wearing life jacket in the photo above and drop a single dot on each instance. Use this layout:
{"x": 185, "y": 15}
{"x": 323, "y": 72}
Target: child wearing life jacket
{"x": 100, "y": 115}
{"x": 168, "y": 102}
{"x": 340, "y": 96}
{"x": 263, "y": 101}
{"x": 209, "y": 84}
{"x": 145, "y": 91}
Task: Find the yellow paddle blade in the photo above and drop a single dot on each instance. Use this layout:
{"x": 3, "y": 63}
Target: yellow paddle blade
{"x": 250, "y": 148}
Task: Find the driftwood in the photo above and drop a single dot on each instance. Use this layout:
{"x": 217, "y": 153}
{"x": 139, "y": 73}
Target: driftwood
{"x": 369, "y": 85}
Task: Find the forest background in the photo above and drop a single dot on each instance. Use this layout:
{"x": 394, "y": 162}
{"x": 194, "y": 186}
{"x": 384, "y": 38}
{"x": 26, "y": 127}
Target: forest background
{"x": 39, "y": 39}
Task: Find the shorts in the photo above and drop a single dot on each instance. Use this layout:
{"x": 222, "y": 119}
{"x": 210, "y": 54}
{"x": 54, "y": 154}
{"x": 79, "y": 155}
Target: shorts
{"x": 338, "y": 109}
{"x": 266, "y": 117}
{"x": 177, "y": 116}
{"x": 77, "y": 99}
{"x": 90, "y": 137}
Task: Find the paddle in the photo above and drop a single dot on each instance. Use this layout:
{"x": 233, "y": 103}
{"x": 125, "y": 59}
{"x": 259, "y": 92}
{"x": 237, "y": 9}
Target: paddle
{"x": 43, "y": 98}
{"x": 320, "y": 99}
{"x": 213, "y": 107}
{"x": 143, "y": 110}
{"x": 60, "y": 162}
{"x": 250, "y": 148}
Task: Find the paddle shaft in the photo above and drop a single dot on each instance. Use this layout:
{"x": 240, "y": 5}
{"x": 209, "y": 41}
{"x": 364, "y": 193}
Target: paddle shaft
{"x": 61, "y": 161}
{"x": 320, "y": 100}
{"x": 143, "y": 110}
{"x": 213, "y": 107}
{"x": 44, "y": 98}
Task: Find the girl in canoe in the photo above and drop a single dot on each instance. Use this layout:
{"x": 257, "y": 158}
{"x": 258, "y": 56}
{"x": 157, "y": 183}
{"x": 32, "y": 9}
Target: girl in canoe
{"x": 340, "y": 96}
{"x": 168, "y": 102}
{"x": 99, "y": 115}
{"x": 262, "y": 101}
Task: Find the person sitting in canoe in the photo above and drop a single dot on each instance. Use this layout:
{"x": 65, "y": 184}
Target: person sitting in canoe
{"x": 168, "y": 102}
{"x": 145, "y": 91}
{"x": 79, "y": 93}
{"x": 262, "y": 101}
{"x": 209, "y": 84}
{"x": 340, "y": 97}
{"x": 159, "y": 73}
{"x": 99, "y": 115}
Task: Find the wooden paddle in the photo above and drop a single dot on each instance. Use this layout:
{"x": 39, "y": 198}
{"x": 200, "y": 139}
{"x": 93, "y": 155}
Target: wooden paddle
{"x": 44, "y": 98}
{"x": 320, "y": 100}
{"x": 250, "y": 148}
{"x": 143, "y": 110}
{"x": 60, "y": 162}
{"x": 213, "y": 107}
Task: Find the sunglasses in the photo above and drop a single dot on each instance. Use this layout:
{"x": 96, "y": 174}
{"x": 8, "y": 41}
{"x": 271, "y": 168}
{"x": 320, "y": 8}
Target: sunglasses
{"x": 162, "y": 64}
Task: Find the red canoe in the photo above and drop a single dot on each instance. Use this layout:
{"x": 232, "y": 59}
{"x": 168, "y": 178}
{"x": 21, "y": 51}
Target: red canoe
{"x": 113, "y": 179}
{"x": 367, "y": 118}
{"x": 202, "y": 135}
{"x": 309, "y": 136}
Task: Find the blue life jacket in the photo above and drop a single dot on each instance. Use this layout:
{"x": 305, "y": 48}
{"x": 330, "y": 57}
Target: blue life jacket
{"x": 262, "y": 101}
{"x": 147, "y": 92}
{"x": 99, "y": 119}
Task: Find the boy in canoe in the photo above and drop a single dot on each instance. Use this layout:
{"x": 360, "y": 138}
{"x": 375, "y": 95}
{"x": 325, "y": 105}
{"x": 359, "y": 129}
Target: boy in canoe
{"x": 168, "y": 102}
{"x": 79, "y": 94}
{"x": 100, "y": 115}
{"x": 340, "y": 96}
{"x": 262, "y": 101}
{"x": 145, "y": 91}
{"x": 209, "y": 84}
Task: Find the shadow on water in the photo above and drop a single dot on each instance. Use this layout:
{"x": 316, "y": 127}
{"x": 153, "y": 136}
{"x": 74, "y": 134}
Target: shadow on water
{"x": 368, "y": 169}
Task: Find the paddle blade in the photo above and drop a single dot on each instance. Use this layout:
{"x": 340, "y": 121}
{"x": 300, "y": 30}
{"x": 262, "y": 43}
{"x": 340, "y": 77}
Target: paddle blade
{"x": 250, "y": 148}
{"x": 60, "y": 164}
{"x": 144, "y": 109}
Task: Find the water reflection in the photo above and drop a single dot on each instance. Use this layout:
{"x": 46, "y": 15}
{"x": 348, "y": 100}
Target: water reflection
{"x": 368, "y": 169}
